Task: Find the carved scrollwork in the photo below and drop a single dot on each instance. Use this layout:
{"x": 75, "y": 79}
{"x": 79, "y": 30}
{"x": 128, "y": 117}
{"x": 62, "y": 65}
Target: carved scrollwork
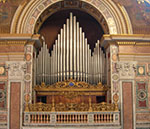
{"x": 70, "y": 94}
{"x": 82, "y": 107}
{"x": 71, "y": 107}
{"x": 71, "y": 85}
{"x": 60, "y": 107}
{"x": 103, "y": 107}
{"x": 40, "y": 107}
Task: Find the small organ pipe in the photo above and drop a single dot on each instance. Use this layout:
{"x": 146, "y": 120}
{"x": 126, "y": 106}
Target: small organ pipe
{"x": 49, "y": 70}
{"x": 58, "y": 58}
{"x": 78, "y": 52}
{"x": 61, "y": 54}
{"x": 98, "y": 61}
{"x": 101, "y": 65}
{"x": 86, "y": 60}
{"x": 75, "y": 48}
{"x": 37, "y": 71}
{"x": 40, "y": 65}
{"x": 64, "y": 51}
{"x": 81, "y": 70}
{"x": 45, "y": 62}
{"x": 52, "y": 75}
{"x": 54, "y": 63}
{"x": 83, "y": 55}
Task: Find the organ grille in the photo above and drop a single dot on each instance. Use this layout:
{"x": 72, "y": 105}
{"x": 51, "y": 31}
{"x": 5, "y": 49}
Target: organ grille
{"x": 71, "y": 57}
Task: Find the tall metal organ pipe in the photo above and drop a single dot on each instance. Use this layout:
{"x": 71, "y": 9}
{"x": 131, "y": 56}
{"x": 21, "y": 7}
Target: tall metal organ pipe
{"x": 71, "y": 57}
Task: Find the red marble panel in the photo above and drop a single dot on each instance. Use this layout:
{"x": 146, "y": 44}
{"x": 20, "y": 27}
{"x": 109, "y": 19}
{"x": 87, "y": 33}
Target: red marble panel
{"x": 15, "y": 105}
{"x": 142, "y": 103}
{"x": 127, "y": 105}
{"x": 141, "y": 85}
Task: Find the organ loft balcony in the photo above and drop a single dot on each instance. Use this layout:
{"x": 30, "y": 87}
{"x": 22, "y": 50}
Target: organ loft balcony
{"x": 71, "y": 102}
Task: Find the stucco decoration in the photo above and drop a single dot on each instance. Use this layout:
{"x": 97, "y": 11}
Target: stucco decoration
{"x": 26, "y": 16}
{"x": 126, "y": 69}
{"x": 16, "y": 69}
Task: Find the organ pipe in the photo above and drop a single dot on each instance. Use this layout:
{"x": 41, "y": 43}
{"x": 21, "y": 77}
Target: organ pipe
{"x": 71, "y": 47}
{"x": 81, "y": 53}
{"x": 78, "y": 52}
{"x": 75, "y": 48}
{"x": 71, "y": 57}
{"x": 67, "y": 59}
{"x": 64, "y": 51}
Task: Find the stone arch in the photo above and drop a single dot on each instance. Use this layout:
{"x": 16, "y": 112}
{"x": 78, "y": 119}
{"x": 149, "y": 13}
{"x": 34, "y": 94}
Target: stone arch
{"x": 115, "y": 18}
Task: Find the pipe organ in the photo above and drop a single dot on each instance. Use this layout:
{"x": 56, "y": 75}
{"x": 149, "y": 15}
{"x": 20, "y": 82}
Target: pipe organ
{"x": 71, "y": 57}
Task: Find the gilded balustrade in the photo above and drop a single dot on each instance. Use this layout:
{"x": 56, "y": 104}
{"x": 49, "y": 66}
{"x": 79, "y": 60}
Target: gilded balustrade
{"x": 72, "y": 118}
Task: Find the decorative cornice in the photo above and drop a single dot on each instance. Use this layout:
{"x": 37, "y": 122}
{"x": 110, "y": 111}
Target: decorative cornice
{"x": 126, "y": 39}
{"x": 20, "y": 39}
